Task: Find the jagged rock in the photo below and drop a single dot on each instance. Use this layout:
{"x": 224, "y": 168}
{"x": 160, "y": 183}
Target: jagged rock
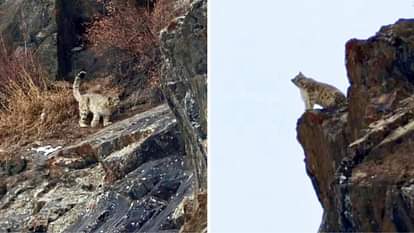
{"x": 184, "y": 82}
{"x": 116, "y": 137}
{"x": 129, "y": 176}
{"x": 71, "y": 17}
{"x": 360, "y": 158}
{"x": 122, "y": 210}
{"x": 31, "y": 24}
{"x": 323, "y": 137}
{"x": 380, "y": 65}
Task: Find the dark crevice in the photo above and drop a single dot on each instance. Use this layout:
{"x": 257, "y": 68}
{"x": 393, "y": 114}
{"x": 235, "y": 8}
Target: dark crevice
{"x": 71, "y": 26}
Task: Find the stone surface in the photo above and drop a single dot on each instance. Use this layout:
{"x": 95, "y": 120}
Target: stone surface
{"x": 378, "y": 69}
{"x": 184, "y": 82}
{"x": 31, "y": 24}
{"x": 129, "y": 176}
{"x": 113, "y": 138}
{"x": 360, "y": 158}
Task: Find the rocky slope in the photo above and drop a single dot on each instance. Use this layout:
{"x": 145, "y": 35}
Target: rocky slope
{"x": 146, "y": 173}
{"x": 361, "y": 158}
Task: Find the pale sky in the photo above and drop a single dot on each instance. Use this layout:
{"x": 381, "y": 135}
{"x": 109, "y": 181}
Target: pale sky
{"x": 257, "y": 175}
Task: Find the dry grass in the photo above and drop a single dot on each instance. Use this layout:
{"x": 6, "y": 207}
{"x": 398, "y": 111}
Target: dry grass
{"x": 25, "y": 94}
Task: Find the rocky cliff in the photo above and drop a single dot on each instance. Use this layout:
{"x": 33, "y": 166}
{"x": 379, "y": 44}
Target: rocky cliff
{"x": 143, "y": 173}
{"x": 361, "y": 158}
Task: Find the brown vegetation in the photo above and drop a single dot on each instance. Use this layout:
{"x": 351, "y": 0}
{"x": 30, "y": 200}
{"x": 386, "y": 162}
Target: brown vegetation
{"x": 32, "y": 108}
{"x": 130, "y": 27}
{"x": 25, "y": 94}
{"x": 134, "y": 29}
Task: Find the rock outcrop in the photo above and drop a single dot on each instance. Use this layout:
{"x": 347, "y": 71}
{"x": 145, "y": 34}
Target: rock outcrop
{"x": 184, "y": 84}
{"x": 31, "y": 25}
{"x": 360, "y": 158}
{"x": 128, "y": 177}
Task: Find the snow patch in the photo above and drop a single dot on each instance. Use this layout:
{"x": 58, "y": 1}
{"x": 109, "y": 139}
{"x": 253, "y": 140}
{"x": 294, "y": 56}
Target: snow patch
{"x": 46, "y": 150}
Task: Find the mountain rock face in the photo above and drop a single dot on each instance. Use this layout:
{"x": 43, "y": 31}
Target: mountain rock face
{"x": 145, "y": 173}
{"x": 184, "y": 48}
{"x": 361, "y": 158}
{"x": 184, "y": 84}
{"x": 31, "y": 24}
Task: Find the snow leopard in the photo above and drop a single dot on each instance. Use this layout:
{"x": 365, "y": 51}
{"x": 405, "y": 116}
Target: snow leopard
{"x": 97, "y": 104}
{"x": 314, "y": 92}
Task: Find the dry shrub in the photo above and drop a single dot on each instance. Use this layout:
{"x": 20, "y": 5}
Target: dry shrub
{"x": 134, "y": 29}
{"x": 124, "y": 26}
{"x": 26, "y": 94}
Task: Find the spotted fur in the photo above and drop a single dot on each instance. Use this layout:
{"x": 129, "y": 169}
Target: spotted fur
{"x": 314, "y": 92}
{"x": 97, "y": 104}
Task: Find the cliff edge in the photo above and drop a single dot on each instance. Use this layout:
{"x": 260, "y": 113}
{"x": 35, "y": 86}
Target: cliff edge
{"x": 360, "y": 158}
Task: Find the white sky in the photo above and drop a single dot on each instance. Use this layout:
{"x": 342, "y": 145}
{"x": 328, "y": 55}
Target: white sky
{"x": 257, "y": 174}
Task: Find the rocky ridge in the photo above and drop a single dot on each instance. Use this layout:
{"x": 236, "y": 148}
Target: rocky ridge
{"x": 360, "y": 158}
